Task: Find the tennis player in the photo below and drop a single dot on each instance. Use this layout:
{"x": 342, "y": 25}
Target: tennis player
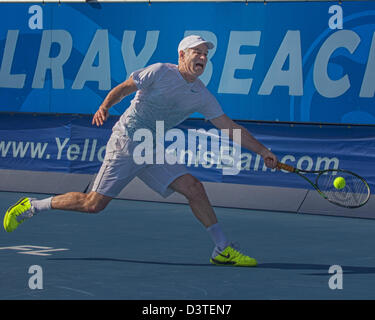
{"x": 165, "y": 92}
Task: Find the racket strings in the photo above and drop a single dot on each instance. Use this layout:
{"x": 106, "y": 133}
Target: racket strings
{"x": 354, "y": 194}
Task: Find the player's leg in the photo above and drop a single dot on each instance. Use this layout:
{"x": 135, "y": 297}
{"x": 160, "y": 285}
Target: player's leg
{"x": 26, "y": 208}
{"x": 118, "y": 168}
{"x": 92, "y": 202}
{"x": 166, "y": 179}
{"x": 194, "y": 191}
{"x": 225, "y": 253}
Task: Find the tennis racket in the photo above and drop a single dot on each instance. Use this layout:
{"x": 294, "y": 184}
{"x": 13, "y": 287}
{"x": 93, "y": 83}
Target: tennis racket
{"x": 355, "y": 194}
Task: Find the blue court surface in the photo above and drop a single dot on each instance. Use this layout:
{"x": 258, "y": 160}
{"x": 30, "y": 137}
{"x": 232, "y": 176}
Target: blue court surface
{"x": 154, "y": 251}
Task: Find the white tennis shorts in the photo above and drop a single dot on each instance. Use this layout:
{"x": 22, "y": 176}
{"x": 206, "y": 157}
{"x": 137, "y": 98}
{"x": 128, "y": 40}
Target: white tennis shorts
{"x": 119, "y": 168}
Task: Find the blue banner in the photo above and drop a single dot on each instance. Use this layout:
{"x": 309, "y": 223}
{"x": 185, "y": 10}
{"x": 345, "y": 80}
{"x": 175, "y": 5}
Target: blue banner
{"x": 71, "y": 144}
{"x": 289, "y": 61}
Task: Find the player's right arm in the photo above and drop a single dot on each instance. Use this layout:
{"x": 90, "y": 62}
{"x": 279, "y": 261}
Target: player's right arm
{"x": 114, "y": 96}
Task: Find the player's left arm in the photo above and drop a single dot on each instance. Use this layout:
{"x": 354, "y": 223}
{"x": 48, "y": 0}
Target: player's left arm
{"x": 248, "y": 141}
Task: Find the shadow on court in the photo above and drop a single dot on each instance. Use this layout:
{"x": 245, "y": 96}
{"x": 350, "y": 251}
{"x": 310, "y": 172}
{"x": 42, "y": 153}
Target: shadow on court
{"x": 136, "y": 261}
{"x": 278, "y": 266}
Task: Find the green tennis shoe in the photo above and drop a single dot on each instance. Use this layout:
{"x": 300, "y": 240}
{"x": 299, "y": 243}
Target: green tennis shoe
{"x": 17, "y": 214}
{"x": 231, "y": 257}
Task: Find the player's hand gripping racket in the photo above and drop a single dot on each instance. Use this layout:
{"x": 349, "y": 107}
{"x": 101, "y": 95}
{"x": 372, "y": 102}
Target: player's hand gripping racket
{"x": 353, "y": 193}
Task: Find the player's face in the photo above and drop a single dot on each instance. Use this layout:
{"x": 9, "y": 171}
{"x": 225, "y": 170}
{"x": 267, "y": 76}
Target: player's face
{"x": 195, "y": 60}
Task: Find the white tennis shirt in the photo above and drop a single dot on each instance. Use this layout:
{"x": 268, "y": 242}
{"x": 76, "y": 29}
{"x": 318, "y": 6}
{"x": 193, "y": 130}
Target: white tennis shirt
{"x": 164, "y": 95}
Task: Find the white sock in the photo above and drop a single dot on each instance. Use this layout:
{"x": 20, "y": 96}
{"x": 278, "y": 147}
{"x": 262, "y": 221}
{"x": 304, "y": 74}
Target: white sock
{"x": 218, "y": 236}
{"x": 41, "y": 205}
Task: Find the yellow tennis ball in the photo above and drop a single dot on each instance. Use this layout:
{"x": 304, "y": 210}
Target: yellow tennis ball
{"x": 339, "y": 183}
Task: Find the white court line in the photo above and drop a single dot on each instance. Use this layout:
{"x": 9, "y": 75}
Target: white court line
{"x": 28, "y": 249}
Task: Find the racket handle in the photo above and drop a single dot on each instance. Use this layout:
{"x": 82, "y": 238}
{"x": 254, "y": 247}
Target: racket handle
{"x": 285, "y": 167}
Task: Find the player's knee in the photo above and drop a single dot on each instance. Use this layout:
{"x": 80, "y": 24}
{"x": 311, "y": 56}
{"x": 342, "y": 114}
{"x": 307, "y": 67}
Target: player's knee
{"x": 195, "y": 190}
{"x": 94, "y": 208}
